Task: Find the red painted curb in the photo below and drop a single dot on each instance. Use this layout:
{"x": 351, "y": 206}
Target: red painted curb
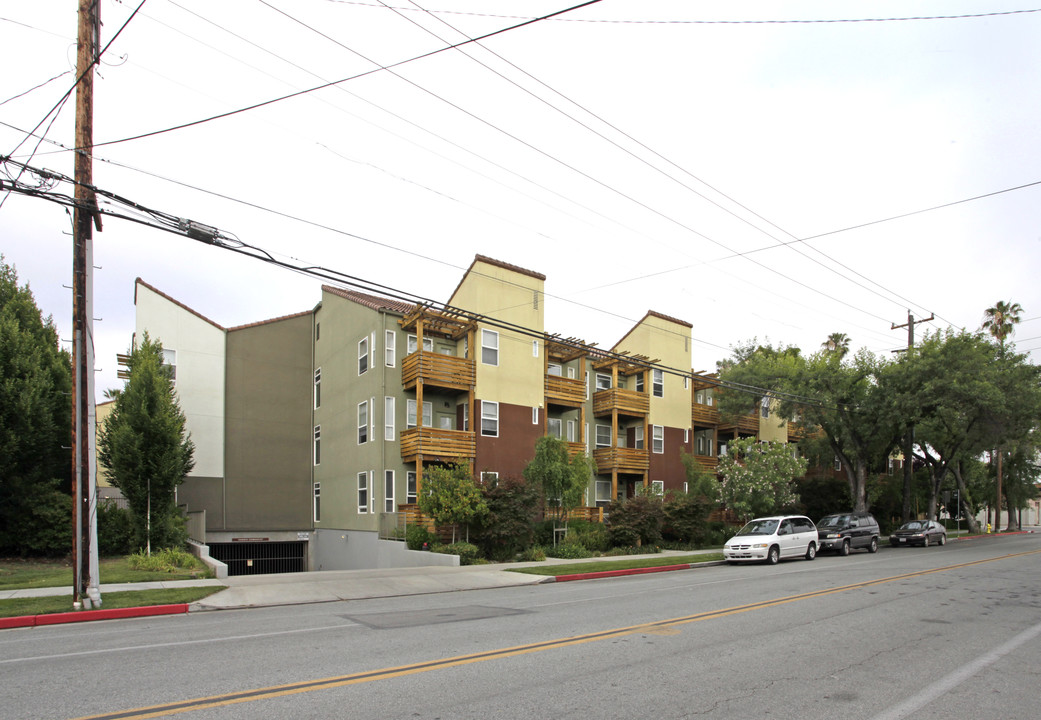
{"x": 619, "y": 573}
{"x": 89, "y": 615}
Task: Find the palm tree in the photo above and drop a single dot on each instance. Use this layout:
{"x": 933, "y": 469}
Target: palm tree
{"x": 1000, "y": 320}
{"x": 837, "y": 342}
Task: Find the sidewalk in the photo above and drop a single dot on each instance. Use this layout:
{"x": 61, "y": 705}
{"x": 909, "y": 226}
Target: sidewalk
{"x": 249, "y": 591}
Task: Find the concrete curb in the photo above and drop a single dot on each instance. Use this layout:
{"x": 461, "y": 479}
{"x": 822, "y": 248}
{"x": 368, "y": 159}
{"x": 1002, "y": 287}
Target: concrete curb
{"x": 90, "y": 615}
{"x": 631, "y": 571}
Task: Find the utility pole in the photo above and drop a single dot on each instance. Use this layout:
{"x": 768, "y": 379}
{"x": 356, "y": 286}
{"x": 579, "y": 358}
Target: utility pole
{"x": 909, "y": 435}
{"x": 85, "y": 591}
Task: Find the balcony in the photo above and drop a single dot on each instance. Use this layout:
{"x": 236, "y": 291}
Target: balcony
{"x": 436, "y": 444}
{"x": 747, "y": 424}
{"x": 437, "y": 370}
{"x": 565, "y": 391}
{"x": 708, "y": 463}
{"x": 627, "y": 402}
{"x": 623, "y": 460}
{"x": 704, "y": 415}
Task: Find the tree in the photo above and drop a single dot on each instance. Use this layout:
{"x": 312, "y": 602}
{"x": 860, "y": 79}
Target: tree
{"x": 146, "y": 448}
{"x": 1000, "y": 320}
{"x": 837, "y": 342}
{"x": 509, "y": 526}
{"x": 35, "y": 426}
{"x": 758, "y": 477}
{"x": 450, "y": 496}
{"x": 562, "y": 479}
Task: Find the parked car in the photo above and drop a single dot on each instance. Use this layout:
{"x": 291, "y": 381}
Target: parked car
{"x": 769, "y": 539}
{"x": 843, "y": 532}
{"x": 919, "y": 532}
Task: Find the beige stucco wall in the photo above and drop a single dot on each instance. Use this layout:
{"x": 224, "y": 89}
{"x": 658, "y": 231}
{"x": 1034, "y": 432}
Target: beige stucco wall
{"x": 668, "y": 342}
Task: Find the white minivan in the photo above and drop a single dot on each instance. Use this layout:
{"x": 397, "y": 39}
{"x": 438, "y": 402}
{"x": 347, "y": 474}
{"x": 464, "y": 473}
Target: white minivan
{"x": 769, "y": 539}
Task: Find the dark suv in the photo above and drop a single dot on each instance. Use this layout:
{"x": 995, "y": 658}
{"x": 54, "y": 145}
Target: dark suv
{"x": 843, "y": 532}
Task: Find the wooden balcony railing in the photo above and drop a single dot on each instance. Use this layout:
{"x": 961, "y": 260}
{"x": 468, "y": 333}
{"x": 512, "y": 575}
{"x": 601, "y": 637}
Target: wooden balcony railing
{"x": 437, "y": 370}
{"x": 708, "y": 463}
{"x": 627, "y": 402}
{"x": 626, "y": 460}
{"x": 565, "y": 391}
{"x": 574, "y": 449}
{"x": 745, "y": 423}
{"x": 704, "y": 414}
{"x": 436, "y": 444}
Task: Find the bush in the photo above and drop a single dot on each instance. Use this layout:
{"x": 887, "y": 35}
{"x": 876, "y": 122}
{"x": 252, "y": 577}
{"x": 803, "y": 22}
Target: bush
{"x": 636, "y": 521}
{"x": 685, "y": 519}
{"x": 44, "y": 529}
{"x": 166, "y": 560}
{"x": 592, "y": 535}
{"x": 417, "y": 535}
{"x": 535, "y": 553}
{"x": 508, "y": 528}
{"x": 468, "y": 553}
{"x": 115, "y": 530}
{"x": 570, "y": 549}
{"x": 623, "y": 550}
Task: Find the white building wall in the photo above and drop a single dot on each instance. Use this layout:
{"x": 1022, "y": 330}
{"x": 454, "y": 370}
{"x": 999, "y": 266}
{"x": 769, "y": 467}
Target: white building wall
{"x": 201, "y": 350}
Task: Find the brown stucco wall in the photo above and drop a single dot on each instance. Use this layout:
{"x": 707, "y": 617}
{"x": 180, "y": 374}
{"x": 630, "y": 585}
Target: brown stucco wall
{"x": 509, "y": 453}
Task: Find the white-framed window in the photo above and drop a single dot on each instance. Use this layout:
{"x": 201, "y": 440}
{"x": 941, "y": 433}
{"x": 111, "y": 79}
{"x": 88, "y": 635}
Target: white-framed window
{"x": 686, "y": 383}
{"x": 555, "y": 370}
{"x": 363, "y": 422}
{"x": 685, "y": 490}
{"x": 413, "y": 344}
{"x": 572, "y": 431}
{"x": 317, "y": 388}
{"x": 603, "y": 382}
{"x": 638, "y": 437}
{"x": 553, "y": 427}
{"x": 389, "y": 429}
{"x": 489, "y": 478}
{"x": 489, "y": 418}
{"x": 410, "y": 487}
{"x": 603, "y": 493}
{"x": 388, "y": 491}
{"x": 658, "y": 383}
{"x": 534, "y": 416}
{"x": 317, "y": 444}
{"x": 657, "y": 439}
{"x": 703, "y": 442}
{"x": 686, "y": 435}
{"x": 466, "y": 417}
{"x": 489, "y": 347}
{"x": 603, "y": 436}
{"x": 534, "y": 348}
{"x": 317, "y": 502}
{"x": 363, "y": 355}
{"x": 571, "y": 373}
{"x": 639, "y": 382}
{"x": 317, "y": 331}
{"x": 764, "y": 407}
{"x": 363, "y": 492}
{"x": 658, "y": 487}
{"x": 428, "y": 414}
{"x": 390, "y": 348}
{"x": 170, "y": 363}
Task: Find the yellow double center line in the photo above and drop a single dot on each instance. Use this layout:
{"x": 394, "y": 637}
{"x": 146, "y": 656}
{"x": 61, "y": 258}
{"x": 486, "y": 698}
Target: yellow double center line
{"x": 386, "y": 673}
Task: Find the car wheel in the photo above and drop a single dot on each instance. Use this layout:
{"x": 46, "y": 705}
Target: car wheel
{"x": 773, "y": 556}
{"x": 943, "y": 539}
{"x": 811, "y": 551}
{"x": 845, "y": 548}
{"x": 873, "y": 547}
{"x": 925, "y": 541}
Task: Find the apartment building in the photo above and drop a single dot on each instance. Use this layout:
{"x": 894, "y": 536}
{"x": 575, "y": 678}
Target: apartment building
{"x": 313, "y": 431}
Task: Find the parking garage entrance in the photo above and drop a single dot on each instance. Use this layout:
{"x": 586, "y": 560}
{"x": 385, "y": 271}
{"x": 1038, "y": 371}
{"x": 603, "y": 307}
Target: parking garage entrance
{"x": 253, "y": 557}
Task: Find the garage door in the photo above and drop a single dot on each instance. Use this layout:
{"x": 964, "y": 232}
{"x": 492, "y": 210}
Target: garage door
{"x": 261, "y": 558}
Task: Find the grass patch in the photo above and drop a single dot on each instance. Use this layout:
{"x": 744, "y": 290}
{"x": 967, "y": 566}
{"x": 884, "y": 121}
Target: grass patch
{"x": 20, "y": 574}
{"x": 19, "y": 607}
{"x": 608, "y": 565}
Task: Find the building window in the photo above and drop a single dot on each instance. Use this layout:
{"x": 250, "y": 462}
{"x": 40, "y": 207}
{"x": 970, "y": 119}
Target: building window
{"x": 534, "y": 348}
{"x": 603, "y": 382}
{"x": 428, "y": 414}
{"x": 489, "y": 418}
{"x": 890, "y": 466}
{"x": 686, "y": 435}
{"x": 658, "y": 383}
{"x": 466, "y": 417}
{"x": 657, "y": 439}
{"x": 317, "y": 331}
{"x": 658, "y": 487}
{"x": 603, "y": 493}
{"x": 489, "y": 478}
{"x": 317, "y": 388}
{"x": 603, "y": 436}
{"x": 764, "y": 407}
{"x": 317, "y": 444}
{"x": 170, "y": 363}
{"x": 534, "y": 416}
{"x": 363, "y": 422}
{"x": 388, "y": 418}
{"x": 638, "y": 437}
{"x": 572, "y": 427}
{"x": 553, "y": 427}
{"x": 554, "y": 369}
{"x": 363, "y": 356}
{"x": 489, "y": 347}
{"x": 686, "y": 383}
{"x": 410, "y": 487}
{"x": 413, "y": 344}
{"x": 388, "y": 491}
{"x": 363, "y": 492}
{"x": 390, "y": 348}
{"x": 317, "y": 502}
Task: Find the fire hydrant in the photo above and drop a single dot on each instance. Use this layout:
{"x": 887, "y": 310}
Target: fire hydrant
{"x": 988, "y": 528}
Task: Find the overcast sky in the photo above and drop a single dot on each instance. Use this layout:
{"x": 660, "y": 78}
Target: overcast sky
{"x": 742, "y": 166}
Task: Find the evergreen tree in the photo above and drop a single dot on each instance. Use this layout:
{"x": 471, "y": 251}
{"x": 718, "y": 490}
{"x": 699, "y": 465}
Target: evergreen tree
{"x": 35, "y": 427}
{"x": 144, "y": 445}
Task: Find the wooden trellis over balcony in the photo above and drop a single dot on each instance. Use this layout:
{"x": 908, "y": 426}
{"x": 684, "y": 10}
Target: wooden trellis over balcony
{"x": 703, "y": 414}
{"x": 560, "y": 390}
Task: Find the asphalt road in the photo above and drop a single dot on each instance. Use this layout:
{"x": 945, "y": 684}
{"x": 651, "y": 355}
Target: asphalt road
{"x": 941, "y": 632}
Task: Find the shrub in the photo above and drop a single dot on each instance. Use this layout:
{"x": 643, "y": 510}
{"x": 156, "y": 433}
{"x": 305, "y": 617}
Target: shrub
{"x": 115, "y": 530}
{"x": 166, "y": 560}
{"x": 417, "y": 535}
{"x": 569, "y": 549}
{"x": 592, "y": 535}
{"x": 535, "y": 553}
{"x": 508, "y": 528}
{"x": 685, "y": 519}
{"x": 469, "y": 554}
{"x": 44, "y": 530}
{"x": 636, "y": 521}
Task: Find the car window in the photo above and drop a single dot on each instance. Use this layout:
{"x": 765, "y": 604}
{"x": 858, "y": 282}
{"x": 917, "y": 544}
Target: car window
{"x": 786, "y": 528}
{"x": 759, "y": 527}
{"x": 834, "y": 521}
